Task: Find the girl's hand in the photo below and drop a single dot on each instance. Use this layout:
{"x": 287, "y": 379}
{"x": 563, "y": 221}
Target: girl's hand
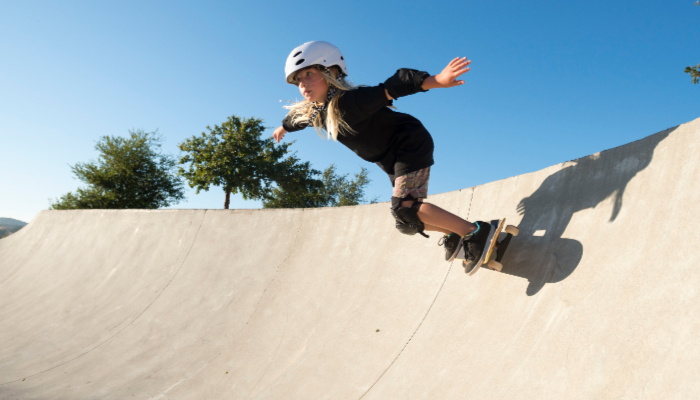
{"x": 279, "y": 134}
{"x": 448, "y": 77}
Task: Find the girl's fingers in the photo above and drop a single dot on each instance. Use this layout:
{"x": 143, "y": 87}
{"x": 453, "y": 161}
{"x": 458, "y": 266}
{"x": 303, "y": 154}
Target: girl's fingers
{"x": 463, "y": 63}
{"x": 458, "y": 67}
{"x": 457, "y": 60}
{"x": 464, "y": 66}
{"x": 461, "y": 71}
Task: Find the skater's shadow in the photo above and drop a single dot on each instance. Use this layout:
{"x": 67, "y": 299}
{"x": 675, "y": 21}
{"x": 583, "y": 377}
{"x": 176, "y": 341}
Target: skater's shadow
{"x": 540, "y": 254}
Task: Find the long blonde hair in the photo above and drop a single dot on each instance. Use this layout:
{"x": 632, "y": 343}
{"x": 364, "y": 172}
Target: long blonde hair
{"x": 302, "y": 111}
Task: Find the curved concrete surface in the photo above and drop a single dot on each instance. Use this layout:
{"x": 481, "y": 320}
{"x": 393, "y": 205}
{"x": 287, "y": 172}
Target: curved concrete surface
{"x": 599, "y": 297}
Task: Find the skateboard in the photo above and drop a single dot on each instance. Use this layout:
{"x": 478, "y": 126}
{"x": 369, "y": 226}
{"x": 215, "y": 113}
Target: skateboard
{"x": 488, "y": 258}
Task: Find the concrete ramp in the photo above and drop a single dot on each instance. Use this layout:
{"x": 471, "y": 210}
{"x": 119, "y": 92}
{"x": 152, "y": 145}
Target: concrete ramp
{"x": 599, "y": 297}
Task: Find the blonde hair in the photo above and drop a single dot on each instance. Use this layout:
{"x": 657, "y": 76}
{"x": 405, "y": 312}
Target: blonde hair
{"x": 302, "y": 111}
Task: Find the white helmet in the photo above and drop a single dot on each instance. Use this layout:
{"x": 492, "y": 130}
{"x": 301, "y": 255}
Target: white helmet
{"x": 314, "y": 53}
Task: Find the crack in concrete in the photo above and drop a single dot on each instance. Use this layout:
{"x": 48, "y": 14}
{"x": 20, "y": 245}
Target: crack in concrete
{"x": 420, "y": 324}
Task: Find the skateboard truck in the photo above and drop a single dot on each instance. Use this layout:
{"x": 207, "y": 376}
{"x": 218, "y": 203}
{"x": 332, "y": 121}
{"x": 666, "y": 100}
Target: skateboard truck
{"x": 501, "y": 247}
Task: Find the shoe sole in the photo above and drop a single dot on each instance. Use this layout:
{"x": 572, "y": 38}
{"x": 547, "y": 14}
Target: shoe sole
{"x": 454, "y": 255}
{"x": 488, "y": 248}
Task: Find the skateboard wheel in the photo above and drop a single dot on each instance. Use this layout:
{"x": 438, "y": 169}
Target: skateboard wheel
{"x": 495, "y": 265}
{"x": 513, "y": 230}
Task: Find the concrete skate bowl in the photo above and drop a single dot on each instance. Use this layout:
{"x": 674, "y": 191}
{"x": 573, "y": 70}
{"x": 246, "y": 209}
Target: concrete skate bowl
{"x": 598, "y": 298}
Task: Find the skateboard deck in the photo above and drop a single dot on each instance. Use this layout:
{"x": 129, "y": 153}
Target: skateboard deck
{"x": 494, "y": 249}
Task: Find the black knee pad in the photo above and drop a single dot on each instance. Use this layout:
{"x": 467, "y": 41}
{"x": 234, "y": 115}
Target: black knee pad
{"x": 407, "y": 221}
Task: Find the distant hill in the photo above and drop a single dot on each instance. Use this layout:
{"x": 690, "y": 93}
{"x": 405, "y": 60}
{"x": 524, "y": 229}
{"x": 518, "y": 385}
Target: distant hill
{"x": 9, "y": 226}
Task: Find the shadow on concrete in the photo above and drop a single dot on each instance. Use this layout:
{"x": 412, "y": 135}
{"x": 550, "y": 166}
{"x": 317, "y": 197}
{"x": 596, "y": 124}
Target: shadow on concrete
{"x": 540, "y": 254}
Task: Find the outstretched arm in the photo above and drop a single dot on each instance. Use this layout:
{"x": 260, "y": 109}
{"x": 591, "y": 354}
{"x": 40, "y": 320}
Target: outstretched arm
{"x": 447, "y": 78}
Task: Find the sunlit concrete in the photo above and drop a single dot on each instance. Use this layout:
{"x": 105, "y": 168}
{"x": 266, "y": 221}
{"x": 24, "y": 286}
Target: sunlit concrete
{"x": 599, "y": 297}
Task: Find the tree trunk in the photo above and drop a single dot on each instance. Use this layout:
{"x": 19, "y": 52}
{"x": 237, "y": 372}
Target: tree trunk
{"x": 228, "y": 199}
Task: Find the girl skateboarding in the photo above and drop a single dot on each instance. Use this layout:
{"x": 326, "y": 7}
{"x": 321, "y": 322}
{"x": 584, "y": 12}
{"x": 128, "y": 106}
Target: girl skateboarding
{"x": 361, "y": 118}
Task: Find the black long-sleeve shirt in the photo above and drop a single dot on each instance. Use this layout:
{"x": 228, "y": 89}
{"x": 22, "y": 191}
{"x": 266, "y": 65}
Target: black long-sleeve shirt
{"x": 395, "y": 141}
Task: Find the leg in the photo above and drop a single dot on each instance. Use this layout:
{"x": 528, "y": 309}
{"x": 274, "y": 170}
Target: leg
{"x": 437, "y": 219}
{"x": 414, "y": 186}
{"x": 413, "y": 216}
{"x": 434, "y": 228}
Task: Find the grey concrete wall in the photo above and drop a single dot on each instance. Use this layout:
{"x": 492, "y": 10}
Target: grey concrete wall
{"x": 598, "y": 297}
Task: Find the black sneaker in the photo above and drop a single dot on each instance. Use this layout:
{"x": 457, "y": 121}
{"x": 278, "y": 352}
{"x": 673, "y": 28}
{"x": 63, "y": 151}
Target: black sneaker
{"x": 452, "y": 243}
{"x": 475, "y": 242}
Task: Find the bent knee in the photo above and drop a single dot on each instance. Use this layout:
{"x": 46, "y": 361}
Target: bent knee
{"x": 407, "y": 220}
{"x": 408, "y": 202}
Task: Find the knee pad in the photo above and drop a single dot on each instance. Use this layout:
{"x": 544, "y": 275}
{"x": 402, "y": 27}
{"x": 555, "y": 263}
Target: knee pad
{"x": 407, "y": 221}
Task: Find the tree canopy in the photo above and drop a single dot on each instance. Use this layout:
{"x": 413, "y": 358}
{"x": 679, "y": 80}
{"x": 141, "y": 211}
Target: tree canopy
{"x": 694, "y": 73}
{"x": 342, "y": 191}
{"x": 129, "y": 173}
{"x": 234, "y": 157}
{"x": 302, "y": 190}
{"x": 296, "y": 186}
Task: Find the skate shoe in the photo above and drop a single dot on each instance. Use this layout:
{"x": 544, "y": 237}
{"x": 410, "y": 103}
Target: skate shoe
{"x": 475, "y": 242}
{"x": 452, "y": 243}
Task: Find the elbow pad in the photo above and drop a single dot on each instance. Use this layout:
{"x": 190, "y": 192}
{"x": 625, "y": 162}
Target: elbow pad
{"x": 405, "y": 82}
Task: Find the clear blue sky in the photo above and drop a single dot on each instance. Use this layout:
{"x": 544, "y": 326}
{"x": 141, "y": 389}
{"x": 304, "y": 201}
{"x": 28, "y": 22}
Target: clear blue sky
{"x": 551, "y": 81}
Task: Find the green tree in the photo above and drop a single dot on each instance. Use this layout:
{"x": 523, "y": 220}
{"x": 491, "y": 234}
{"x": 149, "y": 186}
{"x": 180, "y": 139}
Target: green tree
{"x": 693, "y": 71}
{"x": 85, "y": 198}
{"x": 129, "y": 173}
{"x": 342, "y": 191}
{"x": 234, "y": 157}
{"x": 296, "y": 186}
{"x": 332, "y": 190}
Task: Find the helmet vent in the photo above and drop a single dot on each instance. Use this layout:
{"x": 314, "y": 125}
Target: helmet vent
{"x": 300, "y": 61}
{"x": 296, "y": 54}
